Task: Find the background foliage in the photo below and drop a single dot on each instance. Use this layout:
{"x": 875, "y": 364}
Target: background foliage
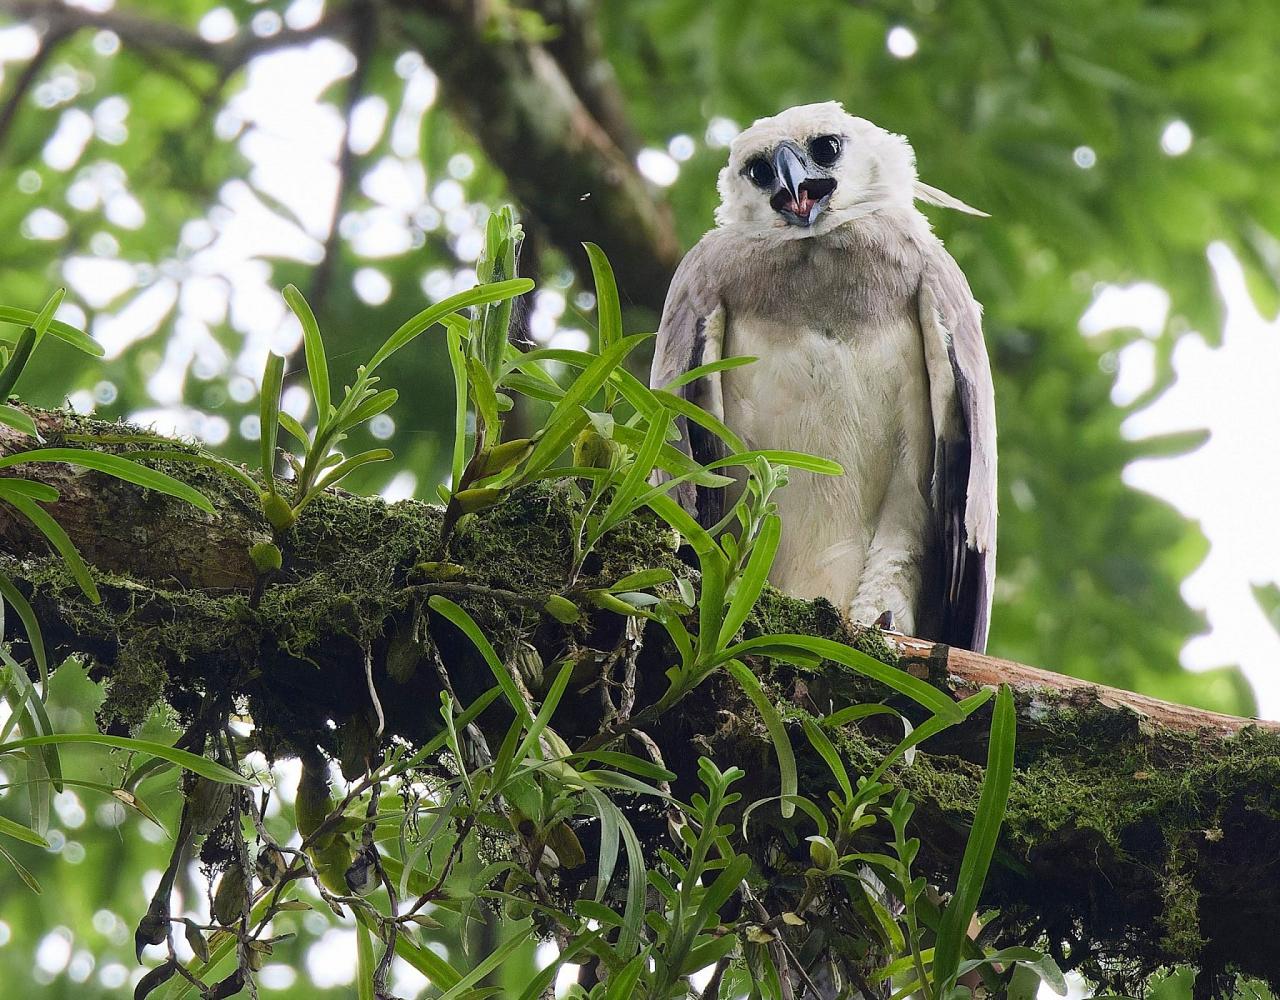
{"x": 175, "y": 212}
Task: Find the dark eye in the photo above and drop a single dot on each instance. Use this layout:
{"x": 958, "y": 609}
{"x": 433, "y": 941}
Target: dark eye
{"x": 760, "y": 172}
{"x": 825, "y": 149}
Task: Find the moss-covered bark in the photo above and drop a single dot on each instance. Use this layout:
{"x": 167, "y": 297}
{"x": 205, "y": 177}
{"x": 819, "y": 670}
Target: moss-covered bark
{"x": 1128, "y": 845}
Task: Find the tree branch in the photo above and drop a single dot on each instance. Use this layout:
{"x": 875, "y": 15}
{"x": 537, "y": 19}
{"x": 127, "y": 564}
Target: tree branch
{"x": 1139, "y": 834}
{"x": 561, "y": 162}
{"x": 578, "y": 48}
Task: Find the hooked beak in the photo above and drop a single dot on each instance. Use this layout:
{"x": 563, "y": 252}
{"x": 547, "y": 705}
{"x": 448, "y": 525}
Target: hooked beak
{"x": 798, "y": 197}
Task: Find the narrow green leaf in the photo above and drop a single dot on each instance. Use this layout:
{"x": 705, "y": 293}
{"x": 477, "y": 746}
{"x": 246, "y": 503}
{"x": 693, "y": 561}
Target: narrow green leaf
{"x": 9, "y": 828}
{"x": 365, "y": 962}
{"x": 30, "y": 624}
{"x": 854, "y": 713}
{"x": 184, "y": 759}
{"x": 379, "y": 402}
{"x": 458, "y": 362}
{"x": 927, "y": 730}
{"x": 269, "y": 416}
{"x": 313, "y": 347}
{"x": 52, "y": 530}
{"x": 486, "y": 400}
{"x": 623, "y": 502}
{"x": 754, "y": 576}
{"x": 981, "y": 845}
{"x": 691, "y": 411}
{"x": 12, "y": 371}
{"x": 33, "y": 719}
{"x": 608, "y": 305}
{"x": 777, "y": 732}
{"x": 349, "y": 465}
{"x": 711, "y": 368}
{"x": 293, "y": 427}
{"x": 821, "y": 742}
{"x": 429, "y": 317}
{"x": 642, "y": 580}
{"x": 26, "y": 876}
{"x": 114, "y": 465}
{"x": 791, "y": 459}
{"x": 30, "y": 488}
{"x": 537, "y": 987}
{"x": 19, "y": 420}
{"x": 63, "y": 331}
{"x": 459, "y": 617}
{"x": 211, "y": 462}
{"x": 899, "y": 680}
{"x": 549, "y": 704}
{"x": 568, "y": 417}
{"x": 519, "y": 938}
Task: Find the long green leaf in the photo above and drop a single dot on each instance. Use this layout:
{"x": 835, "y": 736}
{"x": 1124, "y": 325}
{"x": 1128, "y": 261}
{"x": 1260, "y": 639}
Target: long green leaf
{"x": 927, "y": 730}
{"x": 899, "y": 680}
{"x": 19, "y": 420}
{"x": 197, "y": 458}
{"x": 568, "y": 417}
{"x": 348, "y": 466}
{"x": 458, "y": 363}
{"x": 313, "y": 347}
{"x": 52, "y": 530}
{"x": 10, "y": 828}
{"x": 183, "y": 758}
{"x": 821, "y": 742}
{"x": 549, "y": 704}
{"x": 520, "y": 938}
{"x": 269, "y": 416}
{"x": 10, "y": 593}
{"x": 459, "y": 617}
{"x": 754, "y": 576}
{"x": 694, "y": 412}
{"x": 364, "y": 963}
{"x": 791, "y": 459}
{"x": 423, "y": 321}
{"x": 624, "y": 497}
{"x": 114, "y": 465}
{"x": 17, "y": 362}
{"x": 710, "y": 368}
{"x": 608, "y": 307}
{"x": 981, "y": 845}
{"x": 777, "y": 732}
{"x": 33, "y": 719}
{"x": 63, "y": 331}
{"x": 26, "y": 876}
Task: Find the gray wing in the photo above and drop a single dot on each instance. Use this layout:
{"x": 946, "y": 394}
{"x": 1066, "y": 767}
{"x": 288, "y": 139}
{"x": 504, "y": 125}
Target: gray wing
{"x": 692, "y": 334}
{"x": 964, "y": 475}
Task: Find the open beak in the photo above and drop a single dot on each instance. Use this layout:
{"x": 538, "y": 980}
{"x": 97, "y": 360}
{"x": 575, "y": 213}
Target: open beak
{"x": 798, "y": 197}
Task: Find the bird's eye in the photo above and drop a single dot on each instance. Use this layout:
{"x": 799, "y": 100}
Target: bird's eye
{"x": 825, "y": 149}
{"x": 760, "y": 172}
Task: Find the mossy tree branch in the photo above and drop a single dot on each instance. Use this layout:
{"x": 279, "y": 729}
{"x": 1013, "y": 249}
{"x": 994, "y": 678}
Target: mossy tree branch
{"x": 1139, "y": 834}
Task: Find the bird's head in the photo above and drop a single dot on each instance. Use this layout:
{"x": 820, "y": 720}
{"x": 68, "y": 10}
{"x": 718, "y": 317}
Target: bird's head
{"x": 815, "y": 166}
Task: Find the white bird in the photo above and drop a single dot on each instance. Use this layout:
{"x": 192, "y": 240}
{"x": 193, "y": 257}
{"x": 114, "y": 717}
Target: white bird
{"x": 869, "y": 351}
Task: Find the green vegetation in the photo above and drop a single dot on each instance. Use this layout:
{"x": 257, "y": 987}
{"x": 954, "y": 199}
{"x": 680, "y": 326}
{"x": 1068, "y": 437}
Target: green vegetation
{"x": 1049, "y": 116}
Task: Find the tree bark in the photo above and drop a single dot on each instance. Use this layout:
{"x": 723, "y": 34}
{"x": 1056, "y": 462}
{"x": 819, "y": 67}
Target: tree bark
{"x": 1139, "y": 834}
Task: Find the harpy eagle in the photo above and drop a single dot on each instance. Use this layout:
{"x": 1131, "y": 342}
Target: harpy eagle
{"x": 869, "y": 351}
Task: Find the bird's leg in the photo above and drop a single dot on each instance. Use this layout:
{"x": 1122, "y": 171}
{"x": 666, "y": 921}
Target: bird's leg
{"x": 891, "y": 577}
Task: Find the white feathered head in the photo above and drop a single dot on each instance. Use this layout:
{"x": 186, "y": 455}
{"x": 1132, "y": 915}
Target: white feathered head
{"x": 818, "y": 162}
